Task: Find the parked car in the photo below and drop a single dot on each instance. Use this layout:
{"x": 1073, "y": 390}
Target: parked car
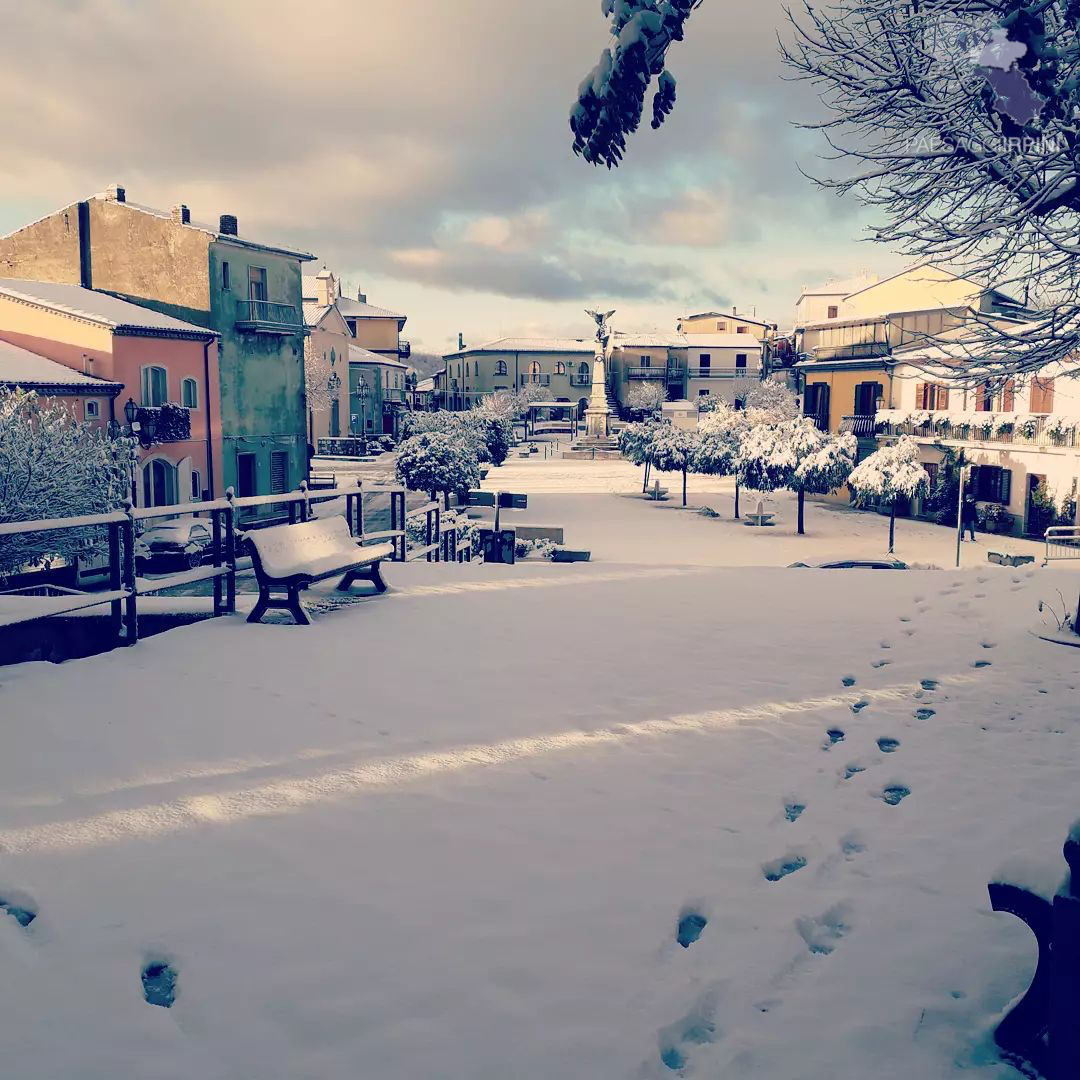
{"x": 885, "y": 563}
{"x": 188, "y": 541}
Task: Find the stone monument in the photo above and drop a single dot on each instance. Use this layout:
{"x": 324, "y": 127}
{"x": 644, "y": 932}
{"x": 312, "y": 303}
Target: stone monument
{"x": 598, "y": 412}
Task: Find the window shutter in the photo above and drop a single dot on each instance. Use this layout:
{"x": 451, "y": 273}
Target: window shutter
{"x": 920, "y": 395}
{"x": 279, "y": 472}
{"x": 1005, "y": 487}
{"x": 1008, "y": 396}
{"x": 943, "y": 397}
{"x": 1042, "y": 395}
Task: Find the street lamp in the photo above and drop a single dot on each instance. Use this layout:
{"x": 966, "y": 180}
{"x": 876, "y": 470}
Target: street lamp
{"x": 141, "y": 424}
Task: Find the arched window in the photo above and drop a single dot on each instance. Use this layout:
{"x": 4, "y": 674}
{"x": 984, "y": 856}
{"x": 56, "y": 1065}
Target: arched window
{"x": 560, "y": 368}
{"x": 189, "y": 394}
{"x": 534, "y": 371}
{"x": 583, "y": 368}
{"x": 159, "y": 483}
{"x": 333, "y": 357}
{"x": 500, "y": 367}
{"x": 155, "y": 386}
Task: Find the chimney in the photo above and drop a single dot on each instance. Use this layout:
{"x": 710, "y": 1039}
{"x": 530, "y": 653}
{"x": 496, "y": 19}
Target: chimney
{"x": 460, "y": 342}
{"x": 323, "y": 288}
{"x": 734, "y": 310}
{"x": 181, "y": 214}
{"x": 361, "y": 296}
{"x": 227, "y": 225}
{"x": 115, "y": 193}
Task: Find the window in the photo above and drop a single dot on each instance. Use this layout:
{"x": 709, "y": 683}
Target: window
{"x": 705, "y": 361}
{"x": 226, "y": 281}
{"x": 646, "y": 361}
{"x": 279, "y": 472}
{"x": 1042, "y": 395}
{"x": 991, "y": 483}
{"x": 335, "y": 418}
{"x": 246, "y": 475}
{"x": 703, "y": 393}
{"x": 500, "y": 367}
{"x": 333, "y": 357}
{"x": 1008, "y": 396}
{"x": 583, "y": 368}
{"x": 984, "y": 398}
{"x": 159, "y": 483}
{"x": 834, "y": 312}
{"x": 196, "y": 486}
{"x": 189, "y": 394}
{"x": 721, "y": 327}
{"x": 931, "y": 397}
{"x": 740, "y": 360}
{"x": 476, "y": 368}
{"x": 866, "y": 398}
{"x": 257, "y": 283}
{"x": 741, "y": 329}
{"x": 92, "y": 410}
{"x": 155, "y": 387}
{"x": 560, "y": 368}
{"x": 535, "y": 370}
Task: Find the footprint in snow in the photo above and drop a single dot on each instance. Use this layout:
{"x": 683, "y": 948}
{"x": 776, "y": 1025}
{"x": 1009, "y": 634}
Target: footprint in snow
{"x": 822, "y": 933}
{"x": 858, "y": 706}
{"x": 980, "y": 663}
{"x": 853, "y": 769}
{"x": 780, "y": 868}
{"x": 852, "y": 844}
{"x": 924, "y": 713}
{"x": 888, "y": 745}
{"x": 881, "y": 663}
{"x": 691, "y": 923}
{"x": 929, "y": 684}
{"x": 834, "y": 736}
{"x": 697, "y": 1028}
{"x": 793, "y": 810}
{"x": 895, "y": 794}
{"x": 848, "y": 680}
{"x": 159, "y": 983}
{"x": 19, "y": 906}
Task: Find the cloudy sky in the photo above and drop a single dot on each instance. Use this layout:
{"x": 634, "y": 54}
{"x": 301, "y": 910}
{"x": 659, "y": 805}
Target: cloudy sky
{"x": 420, "y": 148}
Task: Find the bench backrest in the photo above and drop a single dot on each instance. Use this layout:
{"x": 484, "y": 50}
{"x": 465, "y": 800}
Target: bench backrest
{"x": 287, "y": 550}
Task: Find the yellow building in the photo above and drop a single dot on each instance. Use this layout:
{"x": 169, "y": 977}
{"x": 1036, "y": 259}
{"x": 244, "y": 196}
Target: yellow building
{"x": 719, "y": 322}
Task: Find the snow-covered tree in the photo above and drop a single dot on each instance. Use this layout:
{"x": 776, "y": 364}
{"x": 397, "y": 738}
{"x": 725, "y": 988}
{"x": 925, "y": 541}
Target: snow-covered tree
{"x": 957, "y": 121}
{"x": 894, "y": 472}
{"x": 646, "y": 399}
{"x": 488, "y": 437}
{"x": 321, "y": 382}
{"x": 721, "y": 432}
{"x": 770, "y": 402}
{"x": 635, "y": 444}
{"x": 54, "y": 465}
{"x": 795, "y": 455}
{"x": 434, "y": 461}
{"x": 611, "y": 100}
{"x": 672, "y": 450}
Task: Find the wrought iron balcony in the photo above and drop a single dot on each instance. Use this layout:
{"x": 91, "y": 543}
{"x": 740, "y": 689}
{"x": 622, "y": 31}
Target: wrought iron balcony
{"x": 267, "y": 317}
{"x": 404, "y": 349}
{"x": 581, "y": 380}
{"x": 536, "y": 380}
{"x": 393, "y": 395}
{"x": 169, "y": 423}
{"x": 862, "y": 426}
{"x": 722, "y": 373}
{"x": 646, "y": 373}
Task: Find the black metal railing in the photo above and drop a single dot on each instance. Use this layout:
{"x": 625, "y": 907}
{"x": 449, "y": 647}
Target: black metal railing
{"x": 862, "y": 425}
{"x": 721, "y": 373}
{"x": 646, "y": 373}
{"x": 404, "y": 349}
{"x": 170, "y": 423}
{"x": 267, "y": 315}
{"x": 581, "y": 380}
{"x": 1024, "y": 433}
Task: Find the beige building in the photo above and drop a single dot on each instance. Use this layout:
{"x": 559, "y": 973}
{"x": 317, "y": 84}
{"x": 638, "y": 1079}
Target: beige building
{"x": 372, "y": 391}
{"x": 719, "y": 322}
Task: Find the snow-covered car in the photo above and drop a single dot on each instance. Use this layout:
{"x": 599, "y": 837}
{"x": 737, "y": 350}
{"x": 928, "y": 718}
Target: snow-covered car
{"x": 854, "y": 564}
{"x": 187, "y": 540}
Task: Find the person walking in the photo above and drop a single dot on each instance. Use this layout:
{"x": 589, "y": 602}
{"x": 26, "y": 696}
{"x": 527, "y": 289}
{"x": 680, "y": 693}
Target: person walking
{"x": 969, "y": 516}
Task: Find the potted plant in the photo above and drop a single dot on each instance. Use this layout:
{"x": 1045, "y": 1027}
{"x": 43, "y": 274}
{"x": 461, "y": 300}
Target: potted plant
{"x": 994, "y": 518}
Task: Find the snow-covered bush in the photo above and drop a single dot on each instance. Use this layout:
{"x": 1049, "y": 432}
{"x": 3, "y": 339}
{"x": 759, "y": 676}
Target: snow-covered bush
{"x": 53, "y": 465}
{"x": 434, "y": 461}
{"x": 770, "y": 402}
{"x": 646, "y": 399}
{"x": 540, "y": 548}
{"x": 795, "y": 455}
{"x": 894, "y": 472}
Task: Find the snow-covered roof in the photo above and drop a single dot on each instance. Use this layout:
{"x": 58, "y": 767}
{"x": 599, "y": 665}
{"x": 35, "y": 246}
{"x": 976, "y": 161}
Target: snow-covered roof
{"x": 315, "y": 313}
{"x": 425, "y": 386}
{"x": 724, "y": 315}
{"x": 97, "y": 307}
{"x": 840, "y": 286}
{"x": 355, "y": 309}
{"x": 360, "y": 355}
{"x": 647, "y": 341}
{"x": 722, "y": 341}
{"x": 529, "y": 345}
{"x": 20, "y": 367}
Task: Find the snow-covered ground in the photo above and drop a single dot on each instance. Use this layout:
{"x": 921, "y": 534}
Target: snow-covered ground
{"x": 451, "y": 832}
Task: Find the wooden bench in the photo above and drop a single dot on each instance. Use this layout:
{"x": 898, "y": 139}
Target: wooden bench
{"x": 289, "y": 558}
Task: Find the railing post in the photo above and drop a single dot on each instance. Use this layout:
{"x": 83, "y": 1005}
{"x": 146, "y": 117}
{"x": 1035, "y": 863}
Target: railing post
{"x": 131, "y": 610}
{"x": 215, "y": 516}
{"x": 305, "y": 505}
{"x": 230, "y": 552}
{"x": 438, "y": 533}
{"x": 116, "y": 579}
{"x": 360, "y": 509}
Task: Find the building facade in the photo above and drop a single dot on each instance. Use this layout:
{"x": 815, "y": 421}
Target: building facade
{"x": 165, "y": 367}
{"x": 248, "y": 293}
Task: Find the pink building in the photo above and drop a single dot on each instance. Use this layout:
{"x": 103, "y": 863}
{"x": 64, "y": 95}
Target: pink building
{"x": 166, "y": 370}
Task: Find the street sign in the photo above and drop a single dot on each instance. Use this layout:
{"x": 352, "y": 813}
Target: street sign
{"x": 512, "y": 502}
{"x": 481, "y": 498}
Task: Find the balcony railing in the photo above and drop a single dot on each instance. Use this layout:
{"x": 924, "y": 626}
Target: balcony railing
{"x": 171, "y": 423}
{"x": 393, "y": 395}
{"x": 581, "y": 380}
{"x": 862, "y": 426}
{"x": 536, "y": 380}
{"x": 647, "y": 373}
{"x": 722, "y": 373}
{"x": 267, "y": 317}
{"x": 404, "y": 349}
{"x": 1041, "y": 433}
{"x": 859, "y": 350}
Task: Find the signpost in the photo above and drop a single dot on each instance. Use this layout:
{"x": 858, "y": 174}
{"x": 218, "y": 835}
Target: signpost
{"x": 498, "y": 543}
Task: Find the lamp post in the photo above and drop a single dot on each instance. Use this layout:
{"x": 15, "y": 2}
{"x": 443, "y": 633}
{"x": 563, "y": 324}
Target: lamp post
{"x": 141, "y": 425}
{"x": 960, "y": 513}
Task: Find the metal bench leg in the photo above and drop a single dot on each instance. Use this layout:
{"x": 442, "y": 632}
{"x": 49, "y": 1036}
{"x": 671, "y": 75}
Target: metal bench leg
{"x": 376, "y": 578}
{"x": 370, "y": 573}
{"x": 259, "y": 610}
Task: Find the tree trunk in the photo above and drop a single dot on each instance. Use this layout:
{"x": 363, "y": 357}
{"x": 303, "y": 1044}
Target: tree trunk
{"x": 892, "y": 526}
{"x": 645, "y": 482}
{"x": 684, "y": 486}
{"x": 802, "y": 504}
{"x": 736, "y": 498}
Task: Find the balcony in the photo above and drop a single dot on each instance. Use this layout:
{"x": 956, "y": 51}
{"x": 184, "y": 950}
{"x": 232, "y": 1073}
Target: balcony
{"x": 536, "y": 380}
{"x": 267, "y": 317}
{"x": 171, "y": 423}
{"x": 581, "y": 380}
{"x": 393, "y": 396}
{"x": 863, "y": 426}
{"x": 646, "y": 373}
{"x": 404, "y": 349}
{"x": 1044, "y": 432}
{"x": 723, "y": 373}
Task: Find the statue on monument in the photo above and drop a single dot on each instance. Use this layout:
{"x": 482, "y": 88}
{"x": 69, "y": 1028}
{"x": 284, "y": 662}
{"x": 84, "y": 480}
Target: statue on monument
{"x": 603, "y": 331}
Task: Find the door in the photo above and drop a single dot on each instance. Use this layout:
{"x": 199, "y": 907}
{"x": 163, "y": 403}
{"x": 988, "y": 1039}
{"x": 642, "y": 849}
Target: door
{"x": 867, "y": 395}
{"x": 159, "y": 483}
{"x": 246, "y": 475}
{"x": 279, "y": 472}
{"x": 257, "y": 292}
